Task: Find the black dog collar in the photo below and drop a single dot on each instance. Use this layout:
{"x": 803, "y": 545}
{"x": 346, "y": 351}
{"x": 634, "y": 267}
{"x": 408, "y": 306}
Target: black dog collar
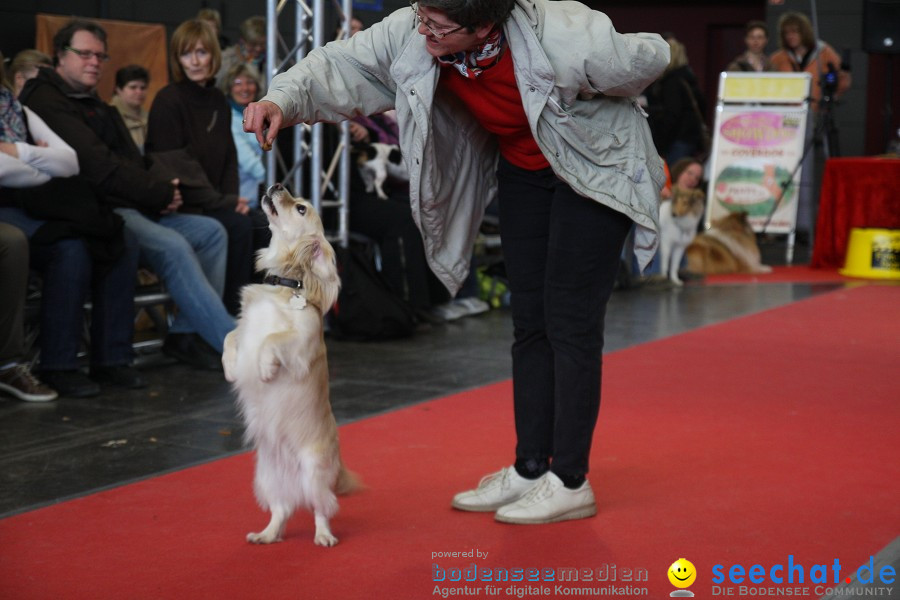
{"x": 276, "y": 280}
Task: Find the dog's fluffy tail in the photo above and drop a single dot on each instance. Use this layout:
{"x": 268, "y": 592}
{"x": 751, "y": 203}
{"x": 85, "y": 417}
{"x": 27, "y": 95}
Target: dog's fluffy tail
{"x": 347, "y": 482}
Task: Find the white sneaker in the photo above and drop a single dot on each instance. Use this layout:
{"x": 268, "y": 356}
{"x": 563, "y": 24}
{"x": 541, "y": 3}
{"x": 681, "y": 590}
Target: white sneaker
{"x": 448, "y": 311}
{"x": 493, "y": 491}
{"x": 471, "y": 306}
{"x": 548, "y": 502}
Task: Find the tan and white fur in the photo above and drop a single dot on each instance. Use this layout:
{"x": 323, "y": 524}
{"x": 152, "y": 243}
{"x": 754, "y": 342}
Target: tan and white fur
{"x": 678, "y": 221}
{"x": 277, "y": 362}
{"x": 728, "y": 246}
{"x": 377, "y": 162}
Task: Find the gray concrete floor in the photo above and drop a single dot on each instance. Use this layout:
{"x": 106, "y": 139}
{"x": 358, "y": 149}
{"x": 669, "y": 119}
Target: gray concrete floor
{"x": 56, "y": 451}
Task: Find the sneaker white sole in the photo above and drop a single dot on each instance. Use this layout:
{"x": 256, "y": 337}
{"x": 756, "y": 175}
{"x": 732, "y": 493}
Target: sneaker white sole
{"x": 482, "y": 507}
{"x": 17, "y": 393}
{"x": 582, "y": 512}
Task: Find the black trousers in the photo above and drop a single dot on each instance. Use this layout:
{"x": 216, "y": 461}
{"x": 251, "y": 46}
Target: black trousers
{"x": 562, "y": 254}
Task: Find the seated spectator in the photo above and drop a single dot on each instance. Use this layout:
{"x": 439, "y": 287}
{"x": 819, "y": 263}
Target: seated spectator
{"x": 754, "y": 59}
{"x": 128, "y": 98}
{"x": 191, "y": 114}
{"x": 77, "y": 246}
{"x": 186, "y": 251}
{"x": 250, "y": 49}
{"x": 212, "y": 16}
{"x": 355, "y": 27}
{"x": 16, "y": 378}
{"x": 24, "y": 66}
{"x": 389, "y": 223}
{"x": 687, "y": 173}
{"x": 242, "y": 85}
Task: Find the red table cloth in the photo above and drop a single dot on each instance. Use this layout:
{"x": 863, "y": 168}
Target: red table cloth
{"x": 856, "y": 192}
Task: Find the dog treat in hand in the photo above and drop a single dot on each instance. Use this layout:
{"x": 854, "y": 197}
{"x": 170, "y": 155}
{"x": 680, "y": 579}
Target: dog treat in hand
{"x": 266, "y": 146}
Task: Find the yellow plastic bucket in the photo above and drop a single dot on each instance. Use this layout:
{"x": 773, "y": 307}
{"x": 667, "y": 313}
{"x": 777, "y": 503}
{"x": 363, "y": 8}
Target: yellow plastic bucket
{"x": 873, "y": 254}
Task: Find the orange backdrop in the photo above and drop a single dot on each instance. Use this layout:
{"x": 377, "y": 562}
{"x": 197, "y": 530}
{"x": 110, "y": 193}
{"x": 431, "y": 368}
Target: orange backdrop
{"x": 127, "y": 43}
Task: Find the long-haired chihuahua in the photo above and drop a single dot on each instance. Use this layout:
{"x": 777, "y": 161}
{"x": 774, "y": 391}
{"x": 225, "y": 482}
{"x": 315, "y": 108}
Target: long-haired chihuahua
{"x": 276, "y": 361}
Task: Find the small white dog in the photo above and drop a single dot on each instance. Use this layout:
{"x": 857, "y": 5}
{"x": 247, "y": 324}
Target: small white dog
{"x": 678, "y": 221}
{"x": 277, "y": 362}
{"x": 377, "y": 162}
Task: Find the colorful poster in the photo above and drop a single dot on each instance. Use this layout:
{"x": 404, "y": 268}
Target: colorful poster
{"x": 755, "y": 165}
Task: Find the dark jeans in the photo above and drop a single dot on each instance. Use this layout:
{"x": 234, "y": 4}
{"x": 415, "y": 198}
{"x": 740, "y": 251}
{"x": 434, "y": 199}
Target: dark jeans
{"x": 562, "y": 253}
{"x": 69, "y": 279}
{"x": 239, "y": 264}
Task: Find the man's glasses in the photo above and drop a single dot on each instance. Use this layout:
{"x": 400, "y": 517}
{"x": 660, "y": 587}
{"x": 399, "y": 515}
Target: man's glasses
{"x": 87, "y": 54}
{"x": 438, "y": 33}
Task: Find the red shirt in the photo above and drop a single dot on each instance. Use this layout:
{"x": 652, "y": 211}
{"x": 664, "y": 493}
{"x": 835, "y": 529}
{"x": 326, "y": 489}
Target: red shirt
{"x": 494, "y": 100}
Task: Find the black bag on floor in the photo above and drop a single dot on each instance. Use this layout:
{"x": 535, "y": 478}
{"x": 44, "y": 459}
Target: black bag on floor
{"x": 367, "y": 308}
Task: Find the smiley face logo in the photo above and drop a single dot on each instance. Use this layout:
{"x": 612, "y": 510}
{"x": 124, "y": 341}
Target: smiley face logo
{"x": 682, "y": 573}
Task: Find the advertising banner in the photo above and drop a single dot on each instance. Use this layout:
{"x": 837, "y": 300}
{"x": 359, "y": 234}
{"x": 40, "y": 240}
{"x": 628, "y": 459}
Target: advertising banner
{"x": 755, "y": 164}
{"x": 758, "y": 142}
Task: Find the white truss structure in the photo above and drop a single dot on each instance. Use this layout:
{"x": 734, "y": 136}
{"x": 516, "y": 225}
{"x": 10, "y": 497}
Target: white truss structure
{"x": 330, "y": 189}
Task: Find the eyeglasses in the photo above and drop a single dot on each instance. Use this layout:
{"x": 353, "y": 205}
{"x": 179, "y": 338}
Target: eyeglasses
{"x": 438, "y": 33}
{"x": 87, "y": 54}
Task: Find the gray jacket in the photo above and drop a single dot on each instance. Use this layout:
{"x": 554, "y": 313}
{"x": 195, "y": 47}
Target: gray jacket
{"x": 577, "y": 77}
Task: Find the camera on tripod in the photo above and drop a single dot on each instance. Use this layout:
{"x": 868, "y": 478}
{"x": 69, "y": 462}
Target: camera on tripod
{"x": 829, "y": 82}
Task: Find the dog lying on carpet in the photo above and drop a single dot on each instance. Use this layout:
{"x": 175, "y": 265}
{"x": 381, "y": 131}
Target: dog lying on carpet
{"x": 729, "y": 246}
{"x": 678, "y": 221}
{"x": 377, "y": 162}
{"x": 277, "y": 362}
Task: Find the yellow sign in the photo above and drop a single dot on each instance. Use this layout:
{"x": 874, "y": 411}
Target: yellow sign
{"x": 780, "y": 88}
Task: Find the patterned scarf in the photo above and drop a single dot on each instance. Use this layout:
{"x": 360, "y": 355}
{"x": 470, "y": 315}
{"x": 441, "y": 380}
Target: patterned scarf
{"x": 471, "y": 64}
{"x": 12, "y": 120}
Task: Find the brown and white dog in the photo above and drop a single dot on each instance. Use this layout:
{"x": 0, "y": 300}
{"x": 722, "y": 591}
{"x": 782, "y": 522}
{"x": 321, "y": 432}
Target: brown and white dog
{"x": 729, "y": 246}
{"x": 678, "y": 221}
{"x": 277, "y": 363}
{"x": 377, "y": 162}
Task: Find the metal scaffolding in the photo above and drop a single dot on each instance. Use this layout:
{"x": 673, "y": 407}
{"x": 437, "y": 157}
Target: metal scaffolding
{"x": 329, "y": 189}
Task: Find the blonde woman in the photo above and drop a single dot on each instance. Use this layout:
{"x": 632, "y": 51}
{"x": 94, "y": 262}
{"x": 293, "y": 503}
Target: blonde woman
{"x": 192, "y": 113}
{"x": 25, "y": 65}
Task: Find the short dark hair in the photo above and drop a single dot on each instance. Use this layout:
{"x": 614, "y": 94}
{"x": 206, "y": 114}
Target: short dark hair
{"x": 64, "y": 36}
{"x": 472, "y": 13}
{"x": 125, "y": 75}
{"x": 751, "y": 25}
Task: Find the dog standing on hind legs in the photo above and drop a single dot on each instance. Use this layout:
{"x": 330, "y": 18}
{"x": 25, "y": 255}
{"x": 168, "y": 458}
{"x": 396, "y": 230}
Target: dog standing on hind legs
{"x": 277, "y": 363}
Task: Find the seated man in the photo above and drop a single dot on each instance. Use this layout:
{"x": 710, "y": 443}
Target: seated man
{"x": 187, "y": 251}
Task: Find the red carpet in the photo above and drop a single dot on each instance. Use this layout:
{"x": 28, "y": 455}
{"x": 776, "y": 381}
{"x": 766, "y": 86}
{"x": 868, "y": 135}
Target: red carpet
{"x": 745, "y": 442}
{"x": 789, "y": 274}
